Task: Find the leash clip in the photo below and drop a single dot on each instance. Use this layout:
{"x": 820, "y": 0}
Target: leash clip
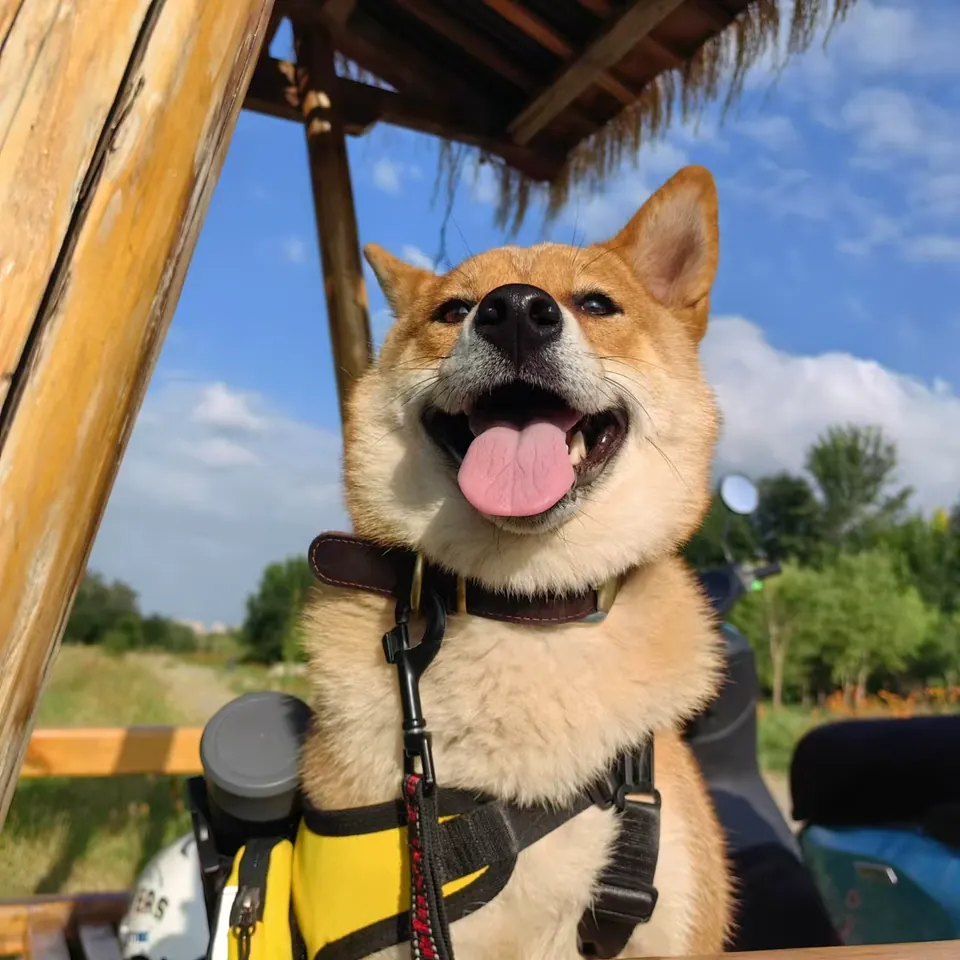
{"x": 411, "y": 662}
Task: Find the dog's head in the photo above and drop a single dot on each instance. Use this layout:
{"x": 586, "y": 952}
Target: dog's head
{"x": 538, "y": 418}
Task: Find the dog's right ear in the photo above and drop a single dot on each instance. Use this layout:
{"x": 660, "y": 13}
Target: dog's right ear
{"x": 672, "y": 245}
{"x": 399, "y": 281}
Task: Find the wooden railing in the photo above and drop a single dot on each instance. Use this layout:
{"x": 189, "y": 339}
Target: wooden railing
{"x": 40, "y": 928}
{"x": 112, "y": 751}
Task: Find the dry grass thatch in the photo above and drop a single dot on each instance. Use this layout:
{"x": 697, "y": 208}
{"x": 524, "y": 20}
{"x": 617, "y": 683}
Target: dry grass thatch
{"x": 722, "y": 61}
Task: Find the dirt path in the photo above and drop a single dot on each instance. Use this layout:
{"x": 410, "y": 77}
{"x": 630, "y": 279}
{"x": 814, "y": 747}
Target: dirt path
{"x": 779, "y": 786}
{"x": 196, "y": 692}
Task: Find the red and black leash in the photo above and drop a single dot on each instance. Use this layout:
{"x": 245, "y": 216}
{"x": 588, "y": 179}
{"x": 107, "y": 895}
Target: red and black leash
{"x": 429, "y": 928}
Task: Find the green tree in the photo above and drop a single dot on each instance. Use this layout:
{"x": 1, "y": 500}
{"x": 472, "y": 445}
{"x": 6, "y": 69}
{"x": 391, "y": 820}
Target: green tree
{"x": 789, "y": 519}
{"x": 271, "y": 630}
{"x": 161, "y": 633}
{"x": 937, "y": 662}
{"x": 705, "y": 547}
{"x": 929, "y": 554}
{"x": 101, "y": 607}
{"x": 869, "y": 620}
{"x": 854, "y": 468}
{"x": 782, "y": 622}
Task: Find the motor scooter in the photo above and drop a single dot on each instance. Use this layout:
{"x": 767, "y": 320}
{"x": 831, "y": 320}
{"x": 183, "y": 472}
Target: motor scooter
{"x": 877, "y": 855}
{"x": 778, "y": 903}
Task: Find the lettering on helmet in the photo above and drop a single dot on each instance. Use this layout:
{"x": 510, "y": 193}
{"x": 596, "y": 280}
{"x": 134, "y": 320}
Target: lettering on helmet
{"x": 147, "y": 901}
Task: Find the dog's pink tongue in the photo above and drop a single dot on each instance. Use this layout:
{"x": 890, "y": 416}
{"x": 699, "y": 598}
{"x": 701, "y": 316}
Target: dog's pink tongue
{"x": 512, "y": 471}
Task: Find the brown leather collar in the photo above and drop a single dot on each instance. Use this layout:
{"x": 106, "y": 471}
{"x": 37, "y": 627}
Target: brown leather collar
{"x": 343, "y": 560}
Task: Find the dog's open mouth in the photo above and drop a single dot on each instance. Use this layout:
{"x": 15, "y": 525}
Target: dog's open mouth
{"x": 521, "y": 450}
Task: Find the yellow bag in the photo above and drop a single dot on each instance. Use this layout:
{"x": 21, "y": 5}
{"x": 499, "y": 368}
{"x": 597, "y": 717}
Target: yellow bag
{"x": 253, "y": 917}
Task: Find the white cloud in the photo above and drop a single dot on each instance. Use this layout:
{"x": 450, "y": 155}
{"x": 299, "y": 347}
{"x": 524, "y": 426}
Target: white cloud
{"x": 932, "y": 247}
{"x": 877, "y": 230}
{"x": 214, "y": 486}
{"x": 884, "y": 120}
{"x": 896, "y": 38}
{"x": 481, "y": 179}
{"x": 386, "y": 175}
{"x": 938, "y": 195}
{"x": 775, "y": 132}
{"x": 775, "y": 404}
{"x": 787, "y": 192}
{"x": 204, "y": 501}
{"x": 295, "y": 249}
{"x": 219, "y": 407}
{"x": 415, "y": 256}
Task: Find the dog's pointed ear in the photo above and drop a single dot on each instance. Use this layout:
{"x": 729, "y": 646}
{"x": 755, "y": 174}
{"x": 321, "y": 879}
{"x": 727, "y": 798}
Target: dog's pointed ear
{"x": 672, "y": 243}
{"x": 398, "y": 280}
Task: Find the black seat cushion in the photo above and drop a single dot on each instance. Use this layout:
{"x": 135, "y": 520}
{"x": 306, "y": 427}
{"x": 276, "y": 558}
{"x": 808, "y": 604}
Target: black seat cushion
{"x": 876, "y": 771}
{"x": 778, "y": 906}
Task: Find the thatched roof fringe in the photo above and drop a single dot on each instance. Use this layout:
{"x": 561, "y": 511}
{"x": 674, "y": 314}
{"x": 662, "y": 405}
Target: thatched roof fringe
{"x": 726, "y": 58}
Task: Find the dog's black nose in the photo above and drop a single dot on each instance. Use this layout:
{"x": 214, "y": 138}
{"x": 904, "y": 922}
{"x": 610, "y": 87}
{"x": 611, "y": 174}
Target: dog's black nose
{"x": 518, "y": 319}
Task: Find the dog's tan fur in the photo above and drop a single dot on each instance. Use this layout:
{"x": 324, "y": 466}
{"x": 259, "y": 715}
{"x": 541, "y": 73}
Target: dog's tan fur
{"x": 533, "y": 714}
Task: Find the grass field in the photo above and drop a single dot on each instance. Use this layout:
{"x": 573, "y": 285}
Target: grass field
{"x": 91, "y": 834}
{"x": 72, "y": 835}
{"x": 97, "y": 834}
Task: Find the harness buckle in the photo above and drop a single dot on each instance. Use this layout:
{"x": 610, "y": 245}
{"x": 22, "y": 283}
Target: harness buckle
{"x": 628, "y": 780}
{"x": 411, "y": 663}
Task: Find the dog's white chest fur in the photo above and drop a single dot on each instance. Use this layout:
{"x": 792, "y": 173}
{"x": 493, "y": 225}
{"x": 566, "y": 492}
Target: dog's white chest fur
{"x": 528, "y": 714}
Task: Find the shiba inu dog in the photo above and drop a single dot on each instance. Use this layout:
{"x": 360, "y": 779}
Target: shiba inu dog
{"x": 538, "y": 423}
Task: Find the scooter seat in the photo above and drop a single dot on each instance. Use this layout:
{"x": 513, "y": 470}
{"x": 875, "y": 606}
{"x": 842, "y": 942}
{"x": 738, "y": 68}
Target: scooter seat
{"x": 870, "y": 772}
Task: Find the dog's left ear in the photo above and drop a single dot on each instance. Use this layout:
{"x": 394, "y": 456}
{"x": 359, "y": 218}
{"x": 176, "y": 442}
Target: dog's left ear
{"x": 400, "y": 281}
{"x": 672, "y": 243}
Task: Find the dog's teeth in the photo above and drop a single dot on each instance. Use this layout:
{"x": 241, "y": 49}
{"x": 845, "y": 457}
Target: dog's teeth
{"x": 578, "y": 448}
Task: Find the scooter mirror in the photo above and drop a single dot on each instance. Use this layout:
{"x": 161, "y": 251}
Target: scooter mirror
{"x": 739, "y": 494}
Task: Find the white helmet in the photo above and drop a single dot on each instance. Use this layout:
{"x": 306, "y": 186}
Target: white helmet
{"x": 167, "y": 919}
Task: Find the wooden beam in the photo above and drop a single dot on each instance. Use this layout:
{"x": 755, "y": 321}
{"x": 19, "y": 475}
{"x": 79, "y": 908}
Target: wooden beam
{"x": 336, "y": 216}
{"x": 603, "y": 9}
{"x": 59, "y": 912}
{"x": 613, "y": 44}
{"x": 39, "y": 186}
{"x": 547, "y": 37}
{"x": 337, "y": 11}
{"x": 101, "y": 284}
{"x": 476, "y": 45}
{"x": 372, "y": 48}
{"x": 46, "y": 944}
{"x": 935, "y": 950}
{"x": 718, "y": 17}
{"x": 112, "y": 751}
{"x": 456, "y": 30}
{"x": 273, "y": 91}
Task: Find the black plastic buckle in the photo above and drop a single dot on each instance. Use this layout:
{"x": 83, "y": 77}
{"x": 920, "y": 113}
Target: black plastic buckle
{"x": 411, "y": 663}
{"x": 631, "y": 774}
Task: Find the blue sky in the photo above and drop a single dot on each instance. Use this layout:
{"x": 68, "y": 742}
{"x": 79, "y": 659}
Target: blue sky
{"x": 837, "y": 298}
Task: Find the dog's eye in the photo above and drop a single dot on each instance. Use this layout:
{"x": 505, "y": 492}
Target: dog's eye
{"x": 453, "y": 311}
{"x": 596, "y": 304}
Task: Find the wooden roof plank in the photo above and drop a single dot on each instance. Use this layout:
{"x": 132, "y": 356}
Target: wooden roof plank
{"x": 338, "y": 11}
{"x": 616, "y": 41}
{"x": 454, "y": 29}
{"x": 547, "y": 37}
{"x": 273, "y": 92}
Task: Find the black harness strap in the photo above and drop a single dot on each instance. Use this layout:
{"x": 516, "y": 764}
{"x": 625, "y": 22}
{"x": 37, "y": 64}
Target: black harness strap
{"x": 626, "y": 895}
{"x": 494, "y": 833}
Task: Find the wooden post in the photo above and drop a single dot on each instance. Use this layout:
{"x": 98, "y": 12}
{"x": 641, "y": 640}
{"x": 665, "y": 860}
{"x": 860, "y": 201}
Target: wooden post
{"x": 336, "y": 215}
{"x": 114, "y": 122}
